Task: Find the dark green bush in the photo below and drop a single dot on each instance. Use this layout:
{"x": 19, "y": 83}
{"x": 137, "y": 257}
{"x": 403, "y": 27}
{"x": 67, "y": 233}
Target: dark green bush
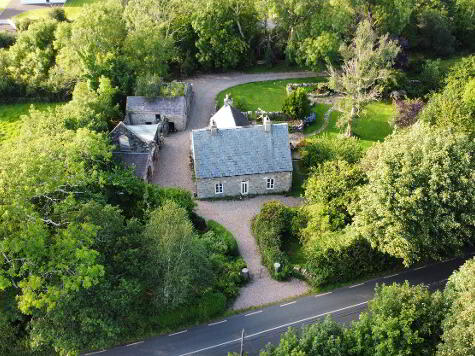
{"x": 297, "y": 105}
{"x": 7, "y": 39}
{"x": 319, "y": 149}
{"x": 221, "y": 240}
{"x": 271, "y": 228}
{"x": 57, "y": 14}
{"x": 337, "y": 257}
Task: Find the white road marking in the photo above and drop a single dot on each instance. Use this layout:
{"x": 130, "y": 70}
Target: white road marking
{"x": 275, "y": 328}
{"x": 393, "y": 275}
{"x": 95, "y": 353}
{"x": 135, "y": 343}
{"x": 219, "y": 322}
{"x": 356, "y": 285}
{"x": 284, "y": 305}
{"x": 321, "y": 295}
{"x": 253, "y": 313}
{"x": 178, "y": 333}
{"x": 418, "y": 268}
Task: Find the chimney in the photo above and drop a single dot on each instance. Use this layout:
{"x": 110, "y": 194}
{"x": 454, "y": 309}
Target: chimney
{"x": 213, "y": 128}
{"x": 228, "y": 101}
{"x": 267, "y": 123}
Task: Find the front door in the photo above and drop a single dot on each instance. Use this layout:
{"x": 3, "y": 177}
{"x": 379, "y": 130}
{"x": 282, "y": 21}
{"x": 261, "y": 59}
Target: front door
{"x": 244, "y": 188}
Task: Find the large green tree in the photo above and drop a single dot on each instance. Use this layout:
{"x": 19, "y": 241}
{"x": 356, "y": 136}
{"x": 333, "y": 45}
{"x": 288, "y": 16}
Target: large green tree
{"x": 458, "y": 338}
{"x": 419, "y": 202}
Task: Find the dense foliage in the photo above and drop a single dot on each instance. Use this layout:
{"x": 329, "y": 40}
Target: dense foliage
{"x": 419, "y": 203}
{"x": 297, "y": 105}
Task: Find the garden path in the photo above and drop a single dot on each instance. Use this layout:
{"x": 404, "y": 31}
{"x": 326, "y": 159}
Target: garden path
{"x": 173, "y": 170}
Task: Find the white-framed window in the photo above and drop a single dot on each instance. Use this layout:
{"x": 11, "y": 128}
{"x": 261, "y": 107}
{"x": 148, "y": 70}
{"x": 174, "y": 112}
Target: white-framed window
{"x": 270, "y": 183}
{"x": 218, "y": 189}
{"x": 244, "y": 188}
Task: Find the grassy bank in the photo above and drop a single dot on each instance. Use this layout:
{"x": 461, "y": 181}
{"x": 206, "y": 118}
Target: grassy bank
{"x": 72, "y": 9}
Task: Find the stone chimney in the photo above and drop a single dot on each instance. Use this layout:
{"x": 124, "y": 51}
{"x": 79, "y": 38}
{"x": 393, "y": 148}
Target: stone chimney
{"x": 213, "y": 128}
{"x": 228, "y": 101}
{"x": 267, "y": 124}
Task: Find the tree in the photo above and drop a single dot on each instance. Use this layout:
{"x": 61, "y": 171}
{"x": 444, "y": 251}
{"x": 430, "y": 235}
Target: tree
{"x": 459, "y": 325}
{"x": 367, "y": 65}
{"x": 401, "y": 320}
{"x": 179, "y": 269}
{"x": 225, "y": 32}
{"x": 333, "y": 186}
{"x": 297, "y": 104}
{"x": 419, "y": 201}
{"x": 325, "y": 338}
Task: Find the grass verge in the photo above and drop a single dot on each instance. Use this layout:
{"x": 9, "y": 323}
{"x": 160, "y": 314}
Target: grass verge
{"x": 72, "y": 9}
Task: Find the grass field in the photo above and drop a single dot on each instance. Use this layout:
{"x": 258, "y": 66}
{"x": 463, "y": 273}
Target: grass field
{"x": 320, "y": 110}
{"x": 267, "y": 95}
{"x": 10, "y": 117}
{"x": 371, "y": 127}
{"x": 72, "y": 9}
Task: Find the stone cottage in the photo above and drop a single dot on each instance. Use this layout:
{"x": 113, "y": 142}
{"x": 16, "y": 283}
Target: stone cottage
{"x": 138, "y": 146}
{"x": 142, "y": 110}
{"x": 241, "y": 160}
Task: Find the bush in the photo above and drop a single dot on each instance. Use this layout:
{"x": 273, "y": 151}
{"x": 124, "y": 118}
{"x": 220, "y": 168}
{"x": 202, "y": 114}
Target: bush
{"x": 297, "y": 105}
{"x": 319, "y": 149}
{"x": 406, "y": 112}
{"x": 57, "y": 14}
{"x": 7, "y": 39}
{"x": 272, "y": 228}
{"x": 223, "y": 238}
{"x": 336, "y": 257}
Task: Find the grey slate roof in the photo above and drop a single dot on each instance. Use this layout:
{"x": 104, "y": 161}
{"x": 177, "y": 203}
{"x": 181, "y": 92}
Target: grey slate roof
{"x": 241, "y": 151}
{"x": 228, "y": 117}
{"x": 167, "y": 106}
{"x": 136, "y": 160}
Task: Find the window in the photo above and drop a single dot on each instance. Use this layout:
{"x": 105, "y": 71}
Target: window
{"x": 270, "y": 183}
{"x": 218, "y": 188}
{"x": 244, "y": 188}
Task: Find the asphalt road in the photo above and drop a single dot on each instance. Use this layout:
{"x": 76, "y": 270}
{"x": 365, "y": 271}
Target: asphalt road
{"x": 265, "y": 325}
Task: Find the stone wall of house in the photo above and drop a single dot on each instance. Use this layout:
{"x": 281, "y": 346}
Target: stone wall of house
{"x": 205, "y": 188}
{"x": 140, "y": 118}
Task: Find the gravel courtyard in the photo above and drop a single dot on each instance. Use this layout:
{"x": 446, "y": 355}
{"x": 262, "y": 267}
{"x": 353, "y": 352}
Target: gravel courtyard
{"x": 173, "y": 170}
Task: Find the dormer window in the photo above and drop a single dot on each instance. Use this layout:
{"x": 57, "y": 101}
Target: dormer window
{"x": 124, "y": 143}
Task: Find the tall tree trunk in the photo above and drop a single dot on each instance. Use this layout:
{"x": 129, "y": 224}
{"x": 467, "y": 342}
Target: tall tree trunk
{"x": 349, "y": 127}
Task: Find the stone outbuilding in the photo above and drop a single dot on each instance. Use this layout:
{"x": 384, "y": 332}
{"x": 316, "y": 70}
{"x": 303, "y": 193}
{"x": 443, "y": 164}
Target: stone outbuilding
{"x": 242, "y": 160}
{"x": 228, "y": 116}
{"x": 138, "y": 146}
{"x": 142, "y": 110}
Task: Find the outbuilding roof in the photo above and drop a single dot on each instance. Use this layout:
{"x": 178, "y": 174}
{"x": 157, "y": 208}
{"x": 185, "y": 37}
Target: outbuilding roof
{"x": 241, "y": 151}
{"x": 146, "y": 133}
{"x": 167, "y": 106}
{"x": 134, "y": 159}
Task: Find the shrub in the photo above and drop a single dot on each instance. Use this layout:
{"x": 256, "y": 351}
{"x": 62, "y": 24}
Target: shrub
{"x": 335, "y": 257}
{"x": 297, "y": 105}
{"x": 7, "y": 39}
{"x": 57, "y": 14}
{"x": 319, "y": 149}
{"x": 271, "y": 228}
{"x": 406, "y": 112}
{"x": 222, "y": 237}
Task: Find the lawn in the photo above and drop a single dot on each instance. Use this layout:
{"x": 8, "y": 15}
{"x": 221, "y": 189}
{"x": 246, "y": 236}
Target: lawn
{"x": 72, "y": 9}
{"x": 371, "y": 127}
{"x": 10, "y": 117}
{"x": 320, "y": 110}
{"x": 267, "y": 95}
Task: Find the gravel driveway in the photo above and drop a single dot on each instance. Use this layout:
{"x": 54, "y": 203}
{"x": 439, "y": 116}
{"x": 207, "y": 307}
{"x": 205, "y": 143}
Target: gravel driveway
{"x": 173, "y": 170}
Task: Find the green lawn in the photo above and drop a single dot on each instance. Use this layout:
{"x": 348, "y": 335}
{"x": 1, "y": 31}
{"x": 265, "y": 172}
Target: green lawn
{"x": 320, "y": 110}
{"x": 10, "y": 117}
{"x": 72, "y": 9}
{"x": 295, "y": 252}
{"x": 371, "y": 127}
{"x": 267, "y": 95}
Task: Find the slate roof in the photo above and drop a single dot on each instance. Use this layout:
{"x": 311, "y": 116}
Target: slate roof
{"x": 228, "y": 117}
{"x": 132, "y": 159}
{"x": 241, "y": 151}
{"x": 146, "y": 133}
{"x": 167, "y": 106}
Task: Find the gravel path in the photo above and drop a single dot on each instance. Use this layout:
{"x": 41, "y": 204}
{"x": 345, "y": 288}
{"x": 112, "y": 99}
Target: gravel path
{"x": 173, "y": 170}
{"x": 236, "y": 215}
